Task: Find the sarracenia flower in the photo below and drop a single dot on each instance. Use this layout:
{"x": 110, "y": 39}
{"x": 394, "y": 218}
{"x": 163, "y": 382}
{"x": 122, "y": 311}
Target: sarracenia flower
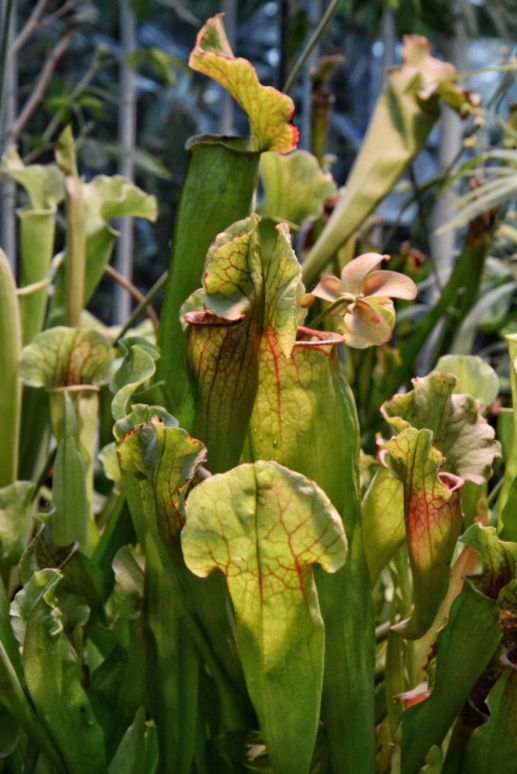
{"x": 362, "y": 299}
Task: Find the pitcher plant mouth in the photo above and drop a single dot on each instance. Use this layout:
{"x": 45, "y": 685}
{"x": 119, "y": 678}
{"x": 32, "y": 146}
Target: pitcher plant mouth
{"x": 306, "y": 338}
{"x": 451, "y": 481}
{"x": 205, "y": 317}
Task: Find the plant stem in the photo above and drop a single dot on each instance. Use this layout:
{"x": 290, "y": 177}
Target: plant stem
{"x": 134, "y": 292}
{"x": 330, "y": 310}
{"x": 311, "y": 43}
{"x": 10, "y": 385}
{"x": 142, "y": 306}
{"x": 76, "y": 252}
{"x": 75, "y": 261}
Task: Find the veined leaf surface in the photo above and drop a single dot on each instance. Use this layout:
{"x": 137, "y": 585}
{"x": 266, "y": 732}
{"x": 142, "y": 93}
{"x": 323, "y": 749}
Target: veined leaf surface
{"x": 269, "y": 111}
{"x": 460, "y": 432}
{"x": 433, "y": 520}
{"x": 66, "y": 357}
{"x": 264, "y": 526}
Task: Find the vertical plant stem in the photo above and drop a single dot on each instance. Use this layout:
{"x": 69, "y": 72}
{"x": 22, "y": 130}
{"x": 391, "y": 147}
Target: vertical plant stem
{"x": 127, "y": 138}
{"x": 76, "y": 251}
{"x": 311, "y": 43}
{"x": 75, "y": 264}
{"x": 37, "y": 232}
{"x": 10, "y": 386}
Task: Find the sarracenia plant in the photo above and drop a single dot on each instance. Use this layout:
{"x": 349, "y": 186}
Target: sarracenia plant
{"x": 230, "y": 585}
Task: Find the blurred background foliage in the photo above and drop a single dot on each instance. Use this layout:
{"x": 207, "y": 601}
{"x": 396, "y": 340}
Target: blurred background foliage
{"x": 106, "y": 65}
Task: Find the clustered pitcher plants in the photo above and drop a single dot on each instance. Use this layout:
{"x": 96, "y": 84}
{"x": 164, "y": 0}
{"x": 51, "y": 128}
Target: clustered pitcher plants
{"x": 201, "y": 570}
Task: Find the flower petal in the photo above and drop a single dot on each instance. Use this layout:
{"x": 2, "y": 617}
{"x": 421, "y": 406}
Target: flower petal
{"x": 329, "y": 288}
{"x": 368, "y": 326}
{"x": 389, "y": 284}
{"x": 355, "y": 272}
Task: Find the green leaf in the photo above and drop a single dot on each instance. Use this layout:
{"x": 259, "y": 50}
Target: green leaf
{"x": 45, "y": 184}
{"x": 115, "y": 197}
{"x": 302, "y": 407}
{"x": 66, "y": 152}
{"x": 264, "y": 526}
{"x": 66, "y": 357}
{"x": 507, "y": 516}
{"x": 232, "y": 279}
{"x": 10, "y": 384}
{"x": 103, "y": 199}
{"x": 14, "y": 698}
{"x": 283, "y": 289}
{"x": 268, "y": 110}
{"x": 26, "y": 599}
{"x": 164, "y": 64}
{"x": 295, "y": 187}
{"x": 305, "y": 418}
{"x": 53, "y": 673}
{"x": 74, "y": 361}
{"x": 37, "y": 233}
{"x": 163, "y": 459}
{"x": 404, "y": 116}
{"x": 9, "y": 733}
{"x": 465, "y": 647}
{"x": 460, "y": 432}
{"x": 128, "y": 592}
{"x": 118, "y": 685}
{"x": 137, "y": 753}
{"x": 137, "y": 367}
{"x": 218, "y": 190}
{"x": 15, "y": 515}
{"x": 433, "y": 761}
{"x": 499, "y": 559}
{"x": 474, "y": 376}
{"x": 74, "y": 264}
{"x": 108, "y": 459}
{"x": 157, "y": 463}
{"x": 7, "y": 637}
{"x": 491, "y": 306}
{"x": 433, "y": 519}
{"x": 106, "y": 198}
{"x": 71, "y": 518}
{"x": 493, "y": 745}
{"x": 383, "y": 521}
{"x": 245, "y": 291}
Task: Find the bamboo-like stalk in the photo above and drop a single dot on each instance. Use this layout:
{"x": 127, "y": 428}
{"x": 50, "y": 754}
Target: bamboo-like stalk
{"x": 10, "y": 385}
{"x": 75, "y": 266}
{"x": 76, "y": 251}
{"x": 127, "y": 139}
